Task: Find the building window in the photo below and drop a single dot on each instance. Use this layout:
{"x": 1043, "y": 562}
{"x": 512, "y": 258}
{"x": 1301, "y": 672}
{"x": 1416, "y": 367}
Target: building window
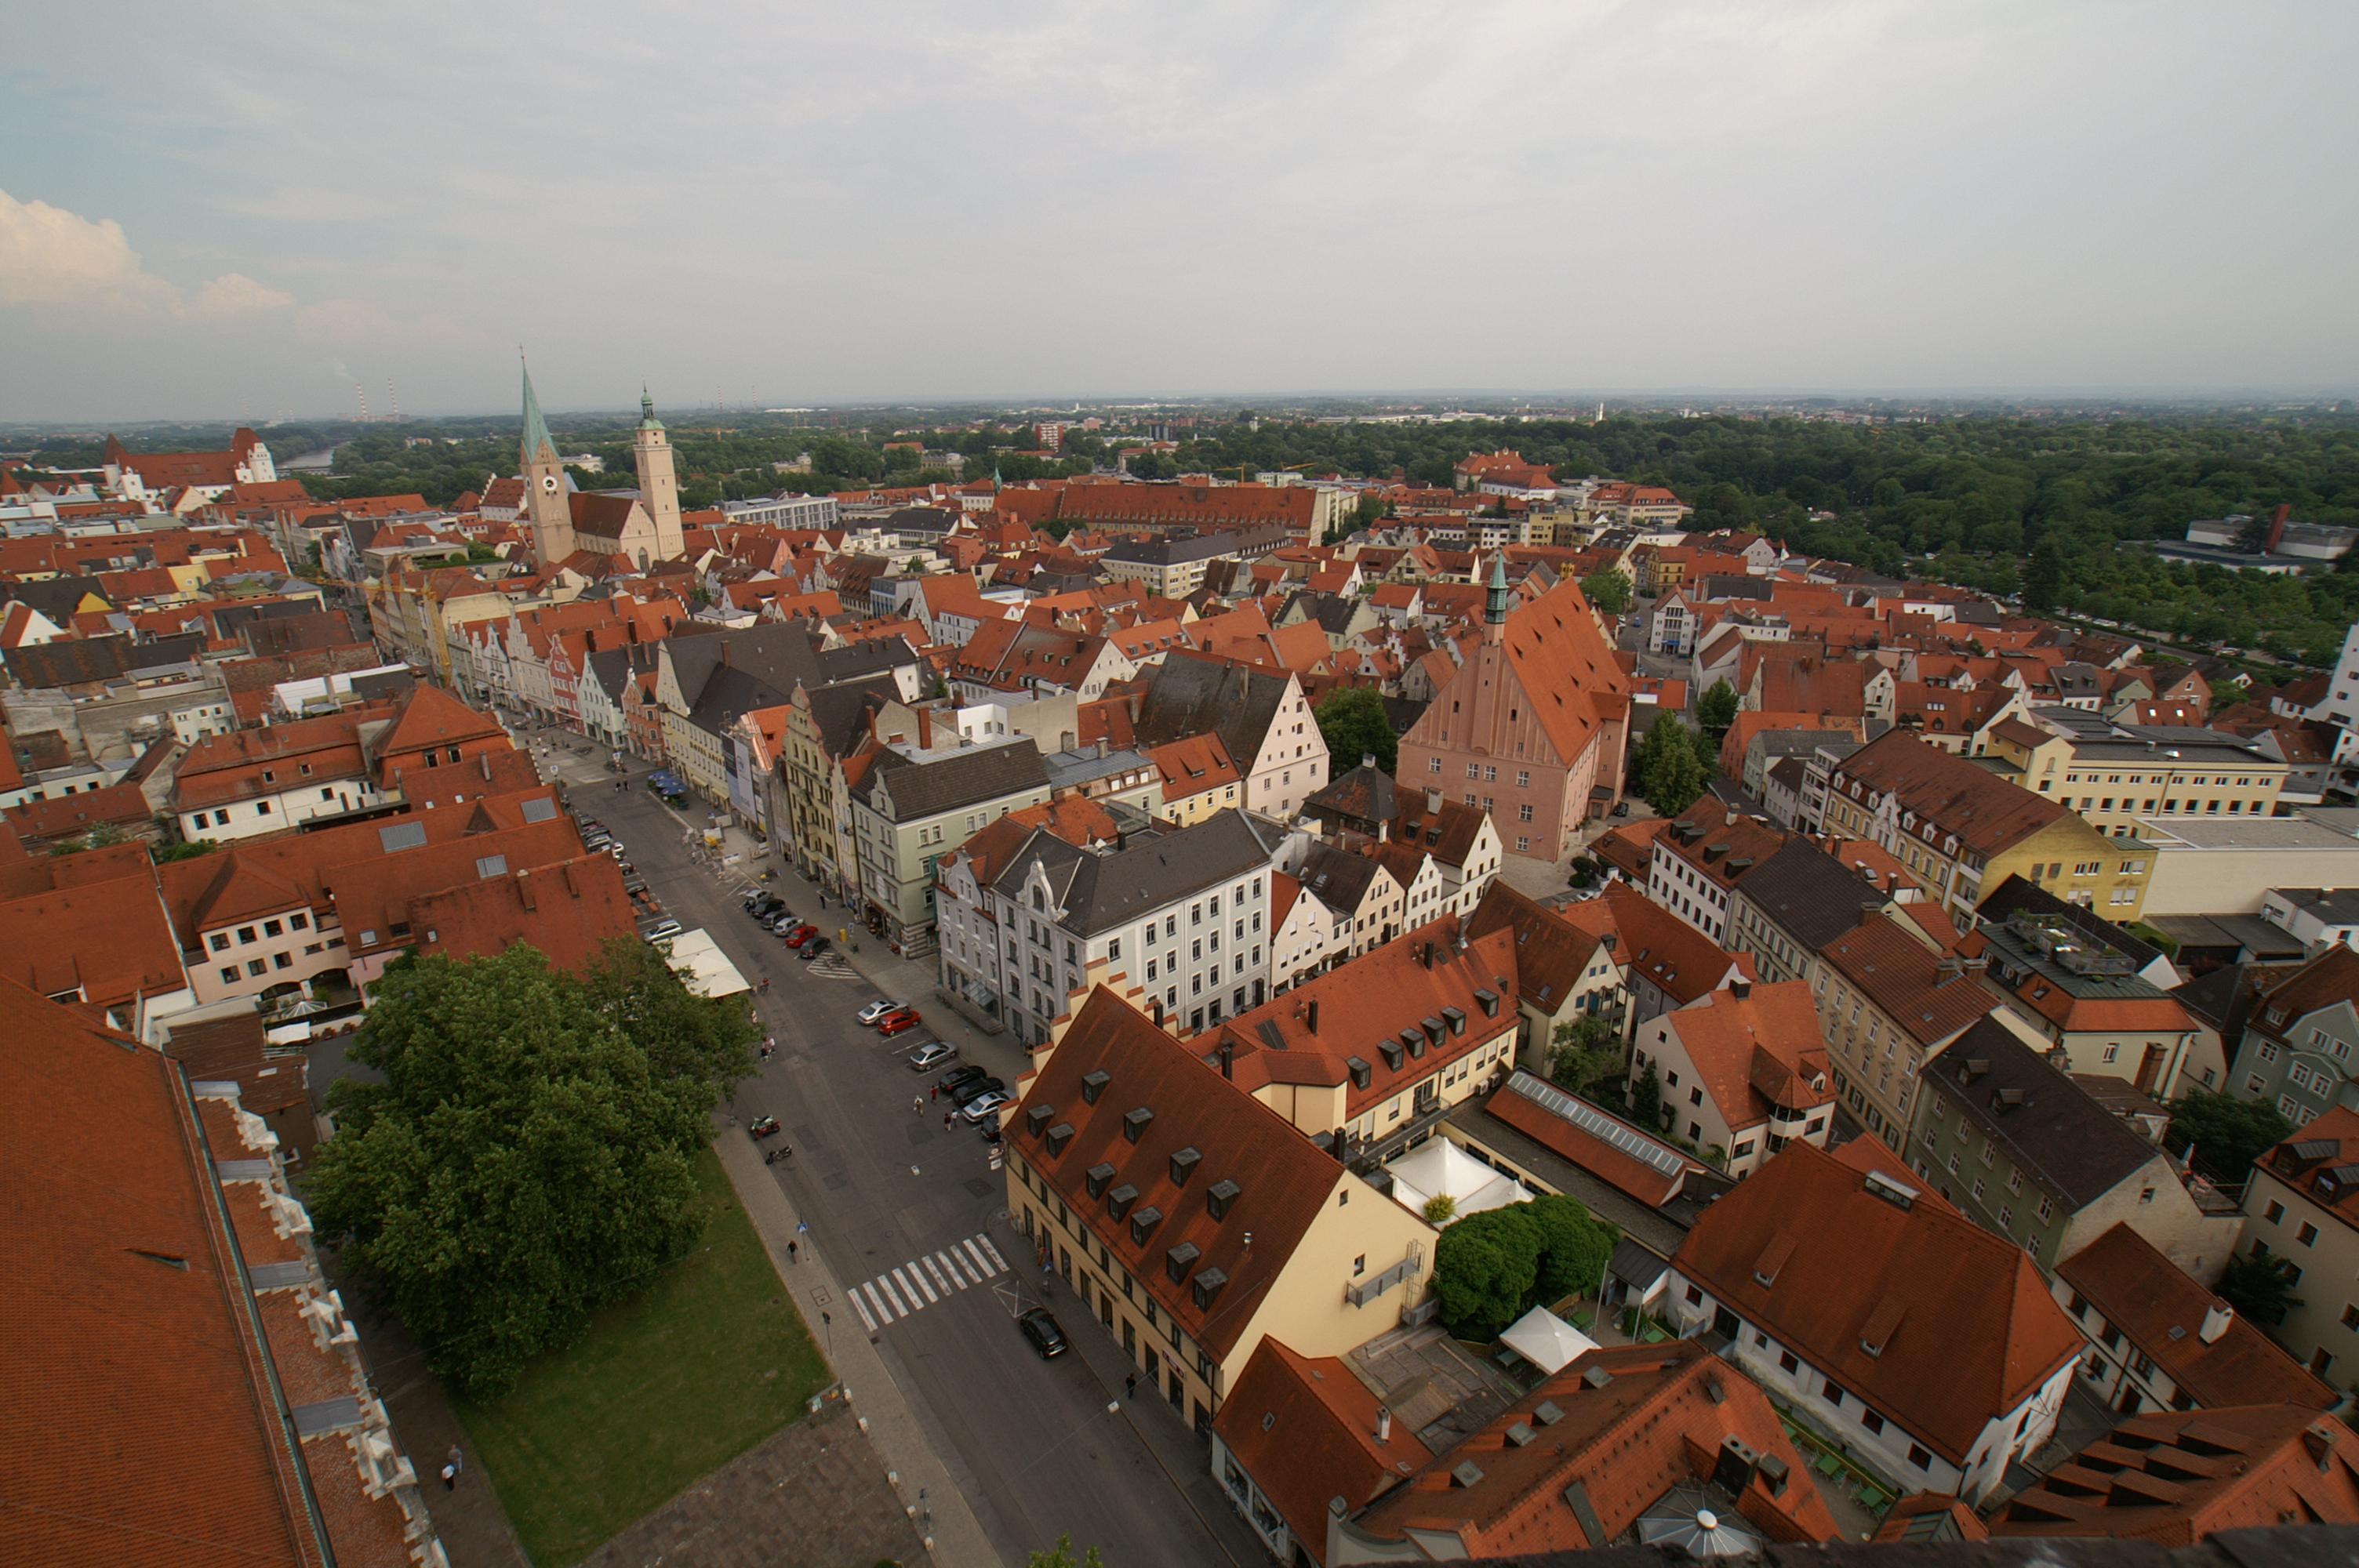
{"x": 1919, "y": 1457}
{"x": 229, "y": 974}
{"x": 1787, "y": 1364}
{"x": 2306, "y": 1235}
{"x": 220, "y": 944}
{"x": 256, "y": 968}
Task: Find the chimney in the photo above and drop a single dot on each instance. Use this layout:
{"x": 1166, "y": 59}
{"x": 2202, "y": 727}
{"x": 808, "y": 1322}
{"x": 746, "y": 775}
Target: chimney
{"x": 1368, "y": 759}
{"x": 1868, "y": 911}
{"x": 2216, "y": 1321}
{"x": 1228, "y": 1060}
{"x": 1433, "y": 803}
{"x": 1383, "y": 1423}
{"x": 1311, "y": 1015}
{"x": 2278, "y": 527}
{"x": 1740, "y": 990}
{"x": 1384, "y": 832}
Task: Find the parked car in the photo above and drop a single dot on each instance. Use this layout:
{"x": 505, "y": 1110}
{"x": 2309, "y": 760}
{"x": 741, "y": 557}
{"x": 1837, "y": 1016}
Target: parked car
{"x": 798, "y": 935}
{"x": 967, "y": 1092}
{"x": 615, "y": 848}
{"x": 785, "y": 920}
{"x": 898, "y": 1024}
{"x": 1041, "y": 1329}
{"x": 903, "y": 1010}
{"x": 986, "y": 1105}
{"x": 765, "y": 906}
{"x": 661, "y": 930}
{"x": 876, "y": 1009}
{"x": 966, "y": 1073}
{"x": 932, "y": 1054}
{"x": 814, "y": 947}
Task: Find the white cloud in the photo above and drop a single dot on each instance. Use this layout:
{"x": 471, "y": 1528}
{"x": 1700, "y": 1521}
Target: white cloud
{"x": 61, "y": 261}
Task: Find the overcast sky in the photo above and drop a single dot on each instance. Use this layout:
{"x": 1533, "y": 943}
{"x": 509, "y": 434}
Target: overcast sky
{"x": 243, "y": 208}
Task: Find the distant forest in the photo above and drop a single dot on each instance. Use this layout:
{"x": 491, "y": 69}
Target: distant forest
{"x": 2038, "y": 507}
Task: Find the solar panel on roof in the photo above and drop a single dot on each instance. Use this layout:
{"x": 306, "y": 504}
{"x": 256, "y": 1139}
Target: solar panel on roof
{"x": 1597, "y": 1124}
{"x": 542, "y": 810}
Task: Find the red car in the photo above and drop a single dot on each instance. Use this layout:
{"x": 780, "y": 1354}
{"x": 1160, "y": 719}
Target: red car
{"x": 800, "y": 935}
{"x": 894, "y": 1024}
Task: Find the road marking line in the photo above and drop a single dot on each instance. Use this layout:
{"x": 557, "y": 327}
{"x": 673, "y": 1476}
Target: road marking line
{"x": 948, "y": 1283}
{"x": 862, "y": 1308}
{"x": 987, "y": 1270}
{"x": 997, "y": 1259}
{"x": 921, "y": 1285}
{"x": 884, "y": 1313}
{"x": 960, "y": 1273}
{"x": 893, "y": 1296}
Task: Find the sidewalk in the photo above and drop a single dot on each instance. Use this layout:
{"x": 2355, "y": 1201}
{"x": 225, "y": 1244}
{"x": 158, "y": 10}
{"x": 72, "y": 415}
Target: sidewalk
{"x": 891, "y": 1426}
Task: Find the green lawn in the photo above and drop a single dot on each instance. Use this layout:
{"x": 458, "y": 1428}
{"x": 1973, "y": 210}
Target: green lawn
{"x": 660, "y": 1389}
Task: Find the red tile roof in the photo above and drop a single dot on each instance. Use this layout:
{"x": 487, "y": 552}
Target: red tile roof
{"x": 1552, "y": 954}
{"x": 1305, "y": 1429}
{"x": 1282, "y": 1179}
{"x": 2163, "y": 1311}
{"x": 2177, "y": 1477}
{"x": 1523, "y": 1103}
{"x": 567, "y": 911}
{"x": 1653, "y": 944}
{"x": 1660, "y": 1420}
{"x": 1976, "y": 1330}
{"x": 1987, "y": 814}
{"x": 1756, "y": 1053}
{"x": 1904, "y": 978}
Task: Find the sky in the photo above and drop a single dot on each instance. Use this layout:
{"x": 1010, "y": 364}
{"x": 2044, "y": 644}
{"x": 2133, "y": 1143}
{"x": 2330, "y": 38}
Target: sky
{"x": 245, "y": 209}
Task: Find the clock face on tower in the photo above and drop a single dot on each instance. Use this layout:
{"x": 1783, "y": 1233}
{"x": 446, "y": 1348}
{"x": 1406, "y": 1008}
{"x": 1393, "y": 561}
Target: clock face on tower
{"x": 549, "y": 481}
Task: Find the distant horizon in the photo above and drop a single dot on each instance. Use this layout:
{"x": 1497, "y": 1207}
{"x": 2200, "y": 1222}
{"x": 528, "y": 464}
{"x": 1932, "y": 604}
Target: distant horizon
{"x": 2224, "y": 398}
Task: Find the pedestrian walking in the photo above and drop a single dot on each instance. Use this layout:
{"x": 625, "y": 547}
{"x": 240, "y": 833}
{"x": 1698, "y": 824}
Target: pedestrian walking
{"x": 450, "y": 1477}
{"x": 458, "y": 1460}
{"x": 946, "y": 1120}
{"x": 938, "y": 1092}
{"x": 1130, "y": 1387}
{"x": 790, "y": 1253}
{"x": 917, "y": 1104}
{"x": 766, "y": 985}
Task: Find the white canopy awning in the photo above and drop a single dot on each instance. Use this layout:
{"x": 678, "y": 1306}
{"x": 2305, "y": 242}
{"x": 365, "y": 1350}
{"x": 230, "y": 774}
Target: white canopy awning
{"x": 1547, "y": 1341}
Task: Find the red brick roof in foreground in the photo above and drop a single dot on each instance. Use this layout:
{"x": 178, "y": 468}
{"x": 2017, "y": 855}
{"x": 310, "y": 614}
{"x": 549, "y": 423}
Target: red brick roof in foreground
{"x": 130, "y": 1328}
{"x": 568, "y": 911}
{"x": 1658, "y": 1422}
{"x": 1282, "y": 1178}
{"x": 1520, "y": 1104}
{"x": 2177, "y": 1477}
{"x": 1972, "y": 1330}
{"x": 1305, "y": 1429}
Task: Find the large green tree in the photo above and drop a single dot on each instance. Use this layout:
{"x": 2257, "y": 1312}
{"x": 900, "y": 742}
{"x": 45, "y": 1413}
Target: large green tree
{"x": 1716, "y": 708}
{"x": 1669, "y": 769}
{"x": 1485, "y": 1267}
{"x": 1352, "y": 721}
{"x": 1574, "y": 1247}
{"x": 527, "y": 1159}
{"x": 1608, "y": 590}
{"x": 2260, "y": 1286}
{"x": 1582, "y": 1052}
{"x": 2228, "y": 1133}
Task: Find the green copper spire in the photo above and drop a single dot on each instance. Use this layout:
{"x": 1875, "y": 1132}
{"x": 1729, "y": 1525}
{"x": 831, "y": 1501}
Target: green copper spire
{"x": 648, "y": 420}
{"x": 536, "y": 428}
{"x": 1494, "y": 604}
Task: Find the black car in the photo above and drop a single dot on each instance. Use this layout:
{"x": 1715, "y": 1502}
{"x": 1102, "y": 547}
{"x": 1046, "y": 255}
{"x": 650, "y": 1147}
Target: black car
{"x": 973, "y": 1089}
{"x": 966, "y": 1073}
{"x": 812, "y": 948}
{"x": 768, "y": 908}
{"x": 1041, "y": 1327}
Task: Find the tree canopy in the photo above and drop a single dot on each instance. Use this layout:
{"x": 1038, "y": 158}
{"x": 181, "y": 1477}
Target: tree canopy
{"x": 1609, "y": 590}
{"x": 1669, "y": 768}
{"x": 1492, "y": 1268}
{"x": 2228, "y": 1133}
{"x": 1582, "y": 1052}
{"x": 1352, "y": 722}
{"x": 1716, "y": 709}
{"x": 2260, "y": 1287}
{"x": 527, "y": 1159}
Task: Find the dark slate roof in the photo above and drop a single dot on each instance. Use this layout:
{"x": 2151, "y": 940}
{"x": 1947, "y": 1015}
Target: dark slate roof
{"x": 840, "y": 712}
{"x": 1807, "y": 894}
{"x": 1336, "y": 876}
{"x": 1333, "y": 611}
{"x": 1100, "y": 891}
{"x": 613, "y": 668}
{"x": 1194, "y": 696}
{"x": 1361, "y": 798}
{"x": 2058, "y": 1134}
{"x": 780, "y": 657}
{"x": 956, "y": 778}
{"x": 922, "y": 520}
{"x": 76, "y": 661}
{"x": 57, "y": 597}
{"x": 2223, "y": 998}
{"x": 1402, "y": 713}
{"x": 729, "y": 694}
{"x": 2016, "y": 893}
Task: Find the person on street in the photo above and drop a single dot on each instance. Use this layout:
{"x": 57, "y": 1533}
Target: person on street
{"x": 917, "y": 1104}
{"x": 790, "y": 1253}
{"x": 937, "y": 1094}
{"x": 946, "y": 1120}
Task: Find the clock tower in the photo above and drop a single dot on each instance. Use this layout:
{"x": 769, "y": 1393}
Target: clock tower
{"x": 658, "y": 487}
{"x": 548, "y": 507}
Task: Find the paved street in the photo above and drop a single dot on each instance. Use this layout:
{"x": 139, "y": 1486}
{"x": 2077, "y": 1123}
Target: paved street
{"x": 910, "y": 1219}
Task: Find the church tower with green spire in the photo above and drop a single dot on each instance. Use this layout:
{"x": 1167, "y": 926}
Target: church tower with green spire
{"x": 1495, "y": 600}
{"x": 549, "y": 509}
{"x": 659, "y": 485}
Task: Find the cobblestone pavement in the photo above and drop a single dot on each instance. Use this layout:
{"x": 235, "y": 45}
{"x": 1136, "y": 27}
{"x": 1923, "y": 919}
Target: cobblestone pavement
{"x": 813, "y": 1495}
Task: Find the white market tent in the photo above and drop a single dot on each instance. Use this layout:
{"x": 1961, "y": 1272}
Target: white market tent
{"x": 702, "y": 968}
{"x": 1438, "y": 1167}
{"x": 1547, "y": 1341}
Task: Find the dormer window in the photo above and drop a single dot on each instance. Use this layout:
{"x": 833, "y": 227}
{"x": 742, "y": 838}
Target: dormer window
{"x": 1143, "y": 1224}
{"x": 1119, "y": 1201}
{"x": 1178, "y": 1261}
{"x": 1058, "y": 1136}
{"x": 1456, "y": 1020}
{"x": 1206, "y": 1288}
{"x": 1037, "y": 1119}
{"x": 1183, "y": 1166}
{"x": 1220, "y": 1196}
{"x": 1096, "y": 1179}
{"x": 1362, "y": 1073}
{"x": 1393, "y": 1054}
{"x": 1094, "y": 1085}
{"x": 1134, "y": 1125}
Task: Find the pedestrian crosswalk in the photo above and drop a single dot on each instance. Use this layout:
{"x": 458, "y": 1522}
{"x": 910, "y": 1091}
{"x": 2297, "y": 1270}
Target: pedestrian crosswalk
{"x": 829, "y": 967}
{"x": 923, "y": 1281}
